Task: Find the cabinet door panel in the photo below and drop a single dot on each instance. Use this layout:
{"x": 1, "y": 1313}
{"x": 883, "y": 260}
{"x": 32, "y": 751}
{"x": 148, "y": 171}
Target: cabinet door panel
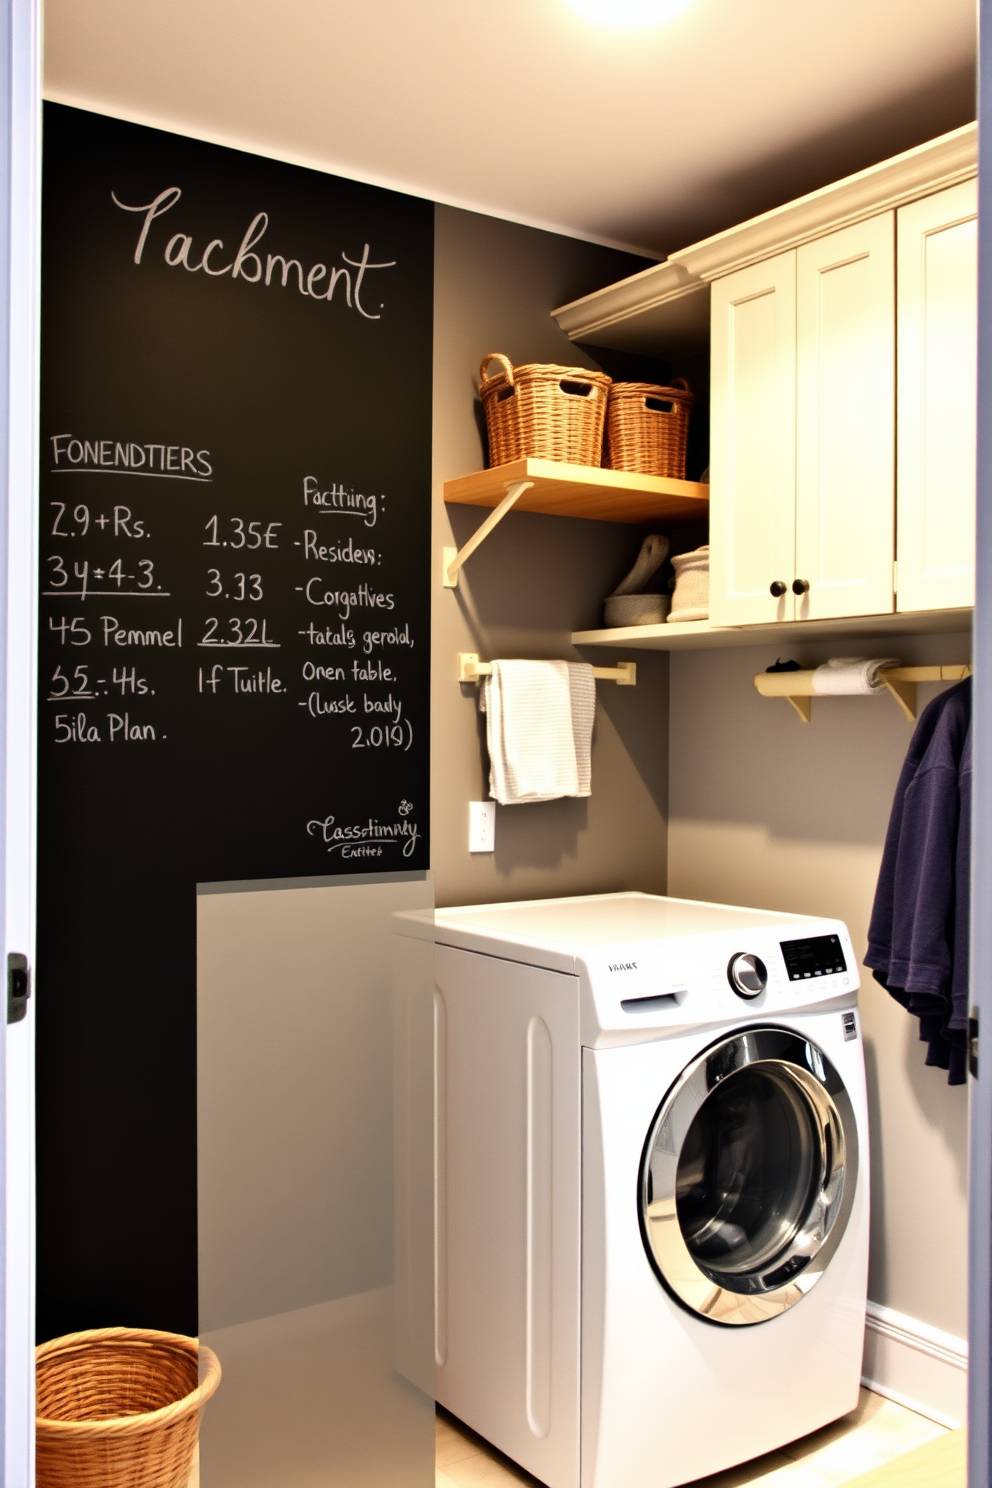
{"x": 845, "y": 425}
{"x": 752, "y": 442}
{"x": 937, "y": 325}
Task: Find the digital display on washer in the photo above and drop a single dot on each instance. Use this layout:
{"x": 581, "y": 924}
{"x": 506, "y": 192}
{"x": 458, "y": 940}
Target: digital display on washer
{"x": 819, "y": 956}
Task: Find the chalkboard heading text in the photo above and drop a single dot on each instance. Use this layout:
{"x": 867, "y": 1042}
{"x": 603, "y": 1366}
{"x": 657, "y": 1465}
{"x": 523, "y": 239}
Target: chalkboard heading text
{"x": 247, "y": 264}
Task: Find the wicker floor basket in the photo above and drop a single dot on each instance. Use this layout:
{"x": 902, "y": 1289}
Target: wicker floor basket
{"x": 647, "y": 428}
{"x": 547, "y": 412}
{"x": 120, "y": 1408}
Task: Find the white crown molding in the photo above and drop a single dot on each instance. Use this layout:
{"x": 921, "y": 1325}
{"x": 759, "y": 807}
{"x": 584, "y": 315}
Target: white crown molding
{"x": 659, "y": 285}
{"x": 918, "y": 172}
{"x": 916, "y": 1365}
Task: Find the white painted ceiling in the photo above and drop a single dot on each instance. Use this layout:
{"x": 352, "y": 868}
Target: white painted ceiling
{"x": 645, "y": 139}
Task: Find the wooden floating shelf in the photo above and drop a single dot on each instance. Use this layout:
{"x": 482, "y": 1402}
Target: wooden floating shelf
{"x": 560, "y": 490}
{"x": 700, "y": 635}
{"x": 799, "y": 688}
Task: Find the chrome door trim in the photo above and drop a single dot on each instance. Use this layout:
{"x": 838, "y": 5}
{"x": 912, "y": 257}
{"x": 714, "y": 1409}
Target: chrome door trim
{"x": 772, "y": 1288}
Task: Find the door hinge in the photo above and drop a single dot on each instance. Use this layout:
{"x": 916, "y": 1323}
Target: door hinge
{"x": 973, "y": 1044}
{"x": 18, "y": 986}
{"x": 895, "y": 576}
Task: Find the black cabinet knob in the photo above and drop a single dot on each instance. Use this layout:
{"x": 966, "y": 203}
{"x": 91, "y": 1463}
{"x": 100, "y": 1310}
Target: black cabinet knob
{"x": 800, "y": 586}
{"x": 777, "y": 589}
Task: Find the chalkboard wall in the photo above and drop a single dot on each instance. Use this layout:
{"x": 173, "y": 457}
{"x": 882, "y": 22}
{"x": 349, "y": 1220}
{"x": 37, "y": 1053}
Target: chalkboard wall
{"x": 234, "y": 633}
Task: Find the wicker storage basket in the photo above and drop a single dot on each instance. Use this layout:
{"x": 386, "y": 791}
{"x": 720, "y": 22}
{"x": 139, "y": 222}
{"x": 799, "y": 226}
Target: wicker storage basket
{"x": 548, "y": 412}
{"x": 647, "y": 427}
{"x": 120, "y": 1408}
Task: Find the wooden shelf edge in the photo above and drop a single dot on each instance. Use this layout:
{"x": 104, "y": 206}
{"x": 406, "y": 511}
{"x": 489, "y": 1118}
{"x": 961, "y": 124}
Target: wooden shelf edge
{"x": 588, "y": 491}
{"x": 700, "y": 635}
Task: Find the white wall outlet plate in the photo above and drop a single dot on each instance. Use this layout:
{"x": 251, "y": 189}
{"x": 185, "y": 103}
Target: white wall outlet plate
{"x": 481, "y": 826}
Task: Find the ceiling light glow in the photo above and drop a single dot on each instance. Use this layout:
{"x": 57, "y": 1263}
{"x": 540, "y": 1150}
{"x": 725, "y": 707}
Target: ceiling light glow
{"x": 628, "y": 14}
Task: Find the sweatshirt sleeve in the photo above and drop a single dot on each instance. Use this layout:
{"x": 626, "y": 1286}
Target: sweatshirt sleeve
{"x": 881, "y": 927}
{"x": 924, "y": 889}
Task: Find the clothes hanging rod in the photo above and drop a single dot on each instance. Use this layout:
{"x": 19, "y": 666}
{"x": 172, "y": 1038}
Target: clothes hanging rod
{"x": 453, "y": 558}
{"x": 899, "y": 682}
{"x": 471, "y": 669}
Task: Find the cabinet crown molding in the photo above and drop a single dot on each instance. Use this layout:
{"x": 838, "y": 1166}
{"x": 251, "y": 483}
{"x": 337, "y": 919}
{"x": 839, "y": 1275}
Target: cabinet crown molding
{"x": 676, "y": 292}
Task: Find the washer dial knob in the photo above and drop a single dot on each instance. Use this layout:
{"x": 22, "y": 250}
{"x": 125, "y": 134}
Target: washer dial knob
{"x": 747, "y": 974}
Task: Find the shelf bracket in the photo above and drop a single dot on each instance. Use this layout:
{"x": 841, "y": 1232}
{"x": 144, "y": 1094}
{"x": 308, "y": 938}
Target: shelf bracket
{"x": 903, "y": 692}
{"x": 471, "y": 669}
{"x": 452, "y": 559}
{"x": 803, "y": 706}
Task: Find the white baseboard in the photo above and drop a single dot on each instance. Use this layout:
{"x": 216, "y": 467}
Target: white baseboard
{"x": 916, "y": 1365}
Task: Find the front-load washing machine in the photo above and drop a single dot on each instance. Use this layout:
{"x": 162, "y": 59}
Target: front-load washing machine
{"x": 652, "y": 1183}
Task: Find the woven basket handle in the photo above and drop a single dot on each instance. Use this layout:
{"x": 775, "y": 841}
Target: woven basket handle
{"x": 589, "y": 389}
{"x": 651, "y": 400}
{"x": 505, "y": 364}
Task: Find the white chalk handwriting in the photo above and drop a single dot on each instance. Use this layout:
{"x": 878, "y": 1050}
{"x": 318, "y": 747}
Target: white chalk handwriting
{"x": 319, "y": 282}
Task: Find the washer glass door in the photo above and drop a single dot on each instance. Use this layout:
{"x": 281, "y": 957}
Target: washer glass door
{"x": 748, "y": 1176}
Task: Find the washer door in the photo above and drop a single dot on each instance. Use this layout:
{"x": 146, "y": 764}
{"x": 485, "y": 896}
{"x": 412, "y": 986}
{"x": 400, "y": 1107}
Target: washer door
{"x": 748, "y": 1176}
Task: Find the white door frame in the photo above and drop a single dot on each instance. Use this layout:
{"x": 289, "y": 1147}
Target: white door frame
{"x": 19, "y": 306}
{"x": 980, "y": 1176}
{"x": 20, "y": 89}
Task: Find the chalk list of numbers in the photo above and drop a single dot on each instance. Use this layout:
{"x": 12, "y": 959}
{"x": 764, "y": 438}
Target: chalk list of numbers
{"x": 113, "y": 610}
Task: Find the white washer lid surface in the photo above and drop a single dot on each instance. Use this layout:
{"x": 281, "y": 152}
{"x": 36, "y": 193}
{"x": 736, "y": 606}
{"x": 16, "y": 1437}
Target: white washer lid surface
{"x": 556, "y": 932}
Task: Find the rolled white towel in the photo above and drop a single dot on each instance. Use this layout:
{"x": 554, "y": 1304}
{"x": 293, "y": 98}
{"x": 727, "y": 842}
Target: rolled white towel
{"x": 851, "y": 676}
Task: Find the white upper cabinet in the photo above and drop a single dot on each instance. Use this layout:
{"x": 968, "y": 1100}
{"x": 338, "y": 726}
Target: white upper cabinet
{"x": 802, "y": 432}
{"x": 843, "y": 340}
{"x": 845, "y": 421}
{"x": 753, "y": 443}
{"x": 937, "y": 364}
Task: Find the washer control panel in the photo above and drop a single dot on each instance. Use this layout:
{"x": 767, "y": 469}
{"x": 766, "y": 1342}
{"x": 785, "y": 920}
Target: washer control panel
{"x": 820, "y": 955}
{"x": 644, "y": 989}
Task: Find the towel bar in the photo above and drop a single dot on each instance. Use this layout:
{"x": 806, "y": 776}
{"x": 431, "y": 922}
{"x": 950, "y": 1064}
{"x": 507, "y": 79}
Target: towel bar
{"x": 900, "y": 682}
{"x": 470, "y": 669}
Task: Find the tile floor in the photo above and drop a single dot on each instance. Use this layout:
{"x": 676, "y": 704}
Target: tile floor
{"x": 874, "y": 1434}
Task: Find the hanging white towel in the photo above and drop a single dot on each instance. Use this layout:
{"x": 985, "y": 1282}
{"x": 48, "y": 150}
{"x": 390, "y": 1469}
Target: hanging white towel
{"x": 847, "y": 676}
{"x": 539, "y": 718}
{"x": 582, "y": 691}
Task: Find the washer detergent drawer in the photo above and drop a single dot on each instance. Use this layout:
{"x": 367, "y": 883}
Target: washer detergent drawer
{"x": 720, "y": 1341}
{"x": 508, "y": 1215}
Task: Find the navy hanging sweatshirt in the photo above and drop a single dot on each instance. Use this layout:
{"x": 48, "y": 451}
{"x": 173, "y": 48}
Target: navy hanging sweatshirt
{"x": 918, "y": 937}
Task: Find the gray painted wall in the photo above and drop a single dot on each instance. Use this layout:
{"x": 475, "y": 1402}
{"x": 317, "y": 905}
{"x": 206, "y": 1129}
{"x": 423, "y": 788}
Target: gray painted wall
{"x": 534, "y": 581}
{"x": 770, "y": 812}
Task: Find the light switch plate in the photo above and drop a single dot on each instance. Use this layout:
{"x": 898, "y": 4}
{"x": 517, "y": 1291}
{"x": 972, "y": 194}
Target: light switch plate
{"x": 481, "y": 826}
